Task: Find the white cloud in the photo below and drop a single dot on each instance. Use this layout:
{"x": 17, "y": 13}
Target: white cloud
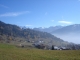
{"x": 65, "y": 22}
{"x": 28, "y": 25}
{"x": 13, "y": 14}
{"x": 52, "y": 20}
{"x": 3, "y": 6}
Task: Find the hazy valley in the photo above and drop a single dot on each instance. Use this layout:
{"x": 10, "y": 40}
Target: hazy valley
{"x": 68, "y": 33}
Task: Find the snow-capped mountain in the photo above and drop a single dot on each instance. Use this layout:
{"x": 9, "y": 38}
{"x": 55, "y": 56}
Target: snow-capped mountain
{"x": 49, "y": 30}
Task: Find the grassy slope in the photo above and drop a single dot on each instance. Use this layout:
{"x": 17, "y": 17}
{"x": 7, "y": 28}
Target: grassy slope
{"x": 9, "y": 52}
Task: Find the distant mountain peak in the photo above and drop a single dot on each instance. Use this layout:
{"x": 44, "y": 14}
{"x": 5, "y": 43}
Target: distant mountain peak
{"x": 2, "y": 22}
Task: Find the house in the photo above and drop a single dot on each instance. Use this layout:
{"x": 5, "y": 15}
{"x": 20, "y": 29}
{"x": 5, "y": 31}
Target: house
{"x": 56, "y": 48}
{"x": 65, "y": 48}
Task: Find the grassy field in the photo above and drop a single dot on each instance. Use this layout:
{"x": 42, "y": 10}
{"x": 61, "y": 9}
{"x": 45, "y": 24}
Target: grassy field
{"x": 10, "y": 52}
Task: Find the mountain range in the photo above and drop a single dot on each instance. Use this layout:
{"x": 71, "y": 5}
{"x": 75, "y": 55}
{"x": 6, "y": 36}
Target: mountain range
{"x": 49, "y": 30}
{"x": 68, "y": 33}
{"x": 14, "y": 34}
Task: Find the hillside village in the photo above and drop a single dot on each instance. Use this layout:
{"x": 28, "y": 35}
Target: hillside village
{"x": 41, "y": 45}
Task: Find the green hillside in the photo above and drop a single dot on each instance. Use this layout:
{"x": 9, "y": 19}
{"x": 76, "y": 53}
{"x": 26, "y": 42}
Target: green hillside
{"x": 14, "y": 34}
{"x": 10, "y": 52}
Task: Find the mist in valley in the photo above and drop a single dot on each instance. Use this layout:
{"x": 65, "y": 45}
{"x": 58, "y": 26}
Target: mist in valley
{"x": 70, "y": 37}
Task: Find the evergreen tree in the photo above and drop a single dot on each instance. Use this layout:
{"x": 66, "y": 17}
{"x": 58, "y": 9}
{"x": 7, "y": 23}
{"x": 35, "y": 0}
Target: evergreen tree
{"x": 52, "y": 47}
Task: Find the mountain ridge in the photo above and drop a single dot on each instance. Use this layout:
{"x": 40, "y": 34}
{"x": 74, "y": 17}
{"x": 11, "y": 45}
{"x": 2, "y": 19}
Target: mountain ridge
{"x": 14, "y": 34}
{"x": 68, "y": 33}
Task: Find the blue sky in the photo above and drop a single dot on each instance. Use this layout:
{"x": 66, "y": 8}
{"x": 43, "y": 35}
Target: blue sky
{"x": 40, "y": 13}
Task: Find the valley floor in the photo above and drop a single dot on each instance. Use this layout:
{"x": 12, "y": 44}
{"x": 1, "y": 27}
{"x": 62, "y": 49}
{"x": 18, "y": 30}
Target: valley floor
{"x": 10, "y": 52}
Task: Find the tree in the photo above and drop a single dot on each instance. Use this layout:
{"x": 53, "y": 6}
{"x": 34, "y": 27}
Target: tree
{"x": 52, "y": 47}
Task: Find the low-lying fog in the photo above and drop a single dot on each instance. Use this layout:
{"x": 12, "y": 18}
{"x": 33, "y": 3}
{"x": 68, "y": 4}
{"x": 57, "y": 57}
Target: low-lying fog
{"x": 70, "y": 37}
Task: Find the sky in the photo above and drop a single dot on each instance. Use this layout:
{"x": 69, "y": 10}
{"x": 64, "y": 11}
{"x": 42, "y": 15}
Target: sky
{"x": 40, "y": 13}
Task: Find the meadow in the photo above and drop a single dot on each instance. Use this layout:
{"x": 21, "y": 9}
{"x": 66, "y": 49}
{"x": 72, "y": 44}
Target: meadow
{"x": 10, "y": 52}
